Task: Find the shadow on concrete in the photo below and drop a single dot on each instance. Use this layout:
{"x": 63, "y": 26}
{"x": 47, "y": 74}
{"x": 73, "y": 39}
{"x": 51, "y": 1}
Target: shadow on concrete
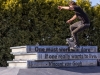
{"x": 61, "y": 71}
{"x": 82, "y": 69}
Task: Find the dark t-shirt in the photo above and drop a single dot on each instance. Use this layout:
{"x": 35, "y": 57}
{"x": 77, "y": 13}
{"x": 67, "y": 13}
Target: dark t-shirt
{"x": 81, "y": 15}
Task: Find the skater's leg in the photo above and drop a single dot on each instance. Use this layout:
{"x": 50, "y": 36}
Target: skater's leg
{"x": 72, "y": 28}
{"x": 76, "y": 30}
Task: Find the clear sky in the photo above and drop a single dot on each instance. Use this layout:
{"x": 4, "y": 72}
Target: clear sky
{"x": 94, "y": 2}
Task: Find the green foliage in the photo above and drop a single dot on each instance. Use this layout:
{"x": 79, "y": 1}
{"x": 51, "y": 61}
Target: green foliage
{"x": 26, "y": 22}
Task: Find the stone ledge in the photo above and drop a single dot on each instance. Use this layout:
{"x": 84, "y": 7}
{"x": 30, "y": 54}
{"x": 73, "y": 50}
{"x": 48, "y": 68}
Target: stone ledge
{"x": 59, "y": 49}
{"x": 52, "y": 64}
{"x": 56, "y": 56}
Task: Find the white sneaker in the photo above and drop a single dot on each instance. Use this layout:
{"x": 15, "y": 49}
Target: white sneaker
{"x": 70, "y": 39}
{"x": 75, "y": 47}
{"x": 72, "y": 48}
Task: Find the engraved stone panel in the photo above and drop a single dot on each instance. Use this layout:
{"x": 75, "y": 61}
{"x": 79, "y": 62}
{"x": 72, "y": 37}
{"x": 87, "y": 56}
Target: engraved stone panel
{"x": 52, "y": 64}
{"x": 69, "y": 63}
{"x": 66, "y": 56}
{"x": 53, "y": 49}
{"x": 56, "y": 56}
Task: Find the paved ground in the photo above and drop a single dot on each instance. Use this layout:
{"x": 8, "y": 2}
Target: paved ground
{"x": 51, "y": 71}
{"x": 9, "y": 71}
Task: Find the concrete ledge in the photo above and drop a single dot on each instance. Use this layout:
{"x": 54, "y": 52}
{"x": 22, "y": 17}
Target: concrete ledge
{"x": 52, "y": 64}
{"x": 23, "y": 53}
{"x": 52, "y": 49}
{"x": 56, "y": 56}
{"x": 17, "y": 64}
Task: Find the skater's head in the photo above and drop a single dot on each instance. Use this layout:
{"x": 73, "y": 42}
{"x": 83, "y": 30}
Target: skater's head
{"x": 72, "y": 3}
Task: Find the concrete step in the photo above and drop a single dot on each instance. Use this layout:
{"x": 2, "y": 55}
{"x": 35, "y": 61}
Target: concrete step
{"x": 52, "y": 49}
{"x": 25, "y": 56}
{"x": 52, "y": 64}
{"x": 55, "y": 56}
{"x": 17, "y": 64}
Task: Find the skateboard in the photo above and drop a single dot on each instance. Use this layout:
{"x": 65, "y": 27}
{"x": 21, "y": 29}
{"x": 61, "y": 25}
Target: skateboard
{"x": 71, "y": 44}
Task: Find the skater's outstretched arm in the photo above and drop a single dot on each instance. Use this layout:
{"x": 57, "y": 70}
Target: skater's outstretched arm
{"x": 65, "y": 7}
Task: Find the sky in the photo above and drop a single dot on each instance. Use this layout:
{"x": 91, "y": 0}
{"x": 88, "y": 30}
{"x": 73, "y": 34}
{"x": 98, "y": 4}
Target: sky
{"x": 94, "y": 2}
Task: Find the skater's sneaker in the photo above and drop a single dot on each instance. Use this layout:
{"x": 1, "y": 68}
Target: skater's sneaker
{"x": 74, "y": 48}
{"x": 70, "y": 39}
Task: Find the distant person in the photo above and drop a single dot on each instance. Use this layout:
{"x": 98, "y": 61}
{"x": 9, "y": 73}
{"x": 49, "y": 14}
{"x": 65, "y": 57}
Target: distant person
{"x": 82, "y": 24}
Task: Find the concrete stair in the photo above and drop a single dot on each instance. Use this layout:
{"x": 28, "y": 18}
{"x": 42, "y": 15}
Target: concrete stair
{"x": 53, "y": 56}
{"x": 51, "y": 49}
{"x": 51, "y": 64}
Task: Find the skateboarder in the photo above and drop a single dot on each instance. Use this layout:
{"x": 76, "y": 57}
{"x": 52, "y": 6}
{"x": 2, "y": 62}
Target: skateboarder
{"x": 82, "y": 24}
